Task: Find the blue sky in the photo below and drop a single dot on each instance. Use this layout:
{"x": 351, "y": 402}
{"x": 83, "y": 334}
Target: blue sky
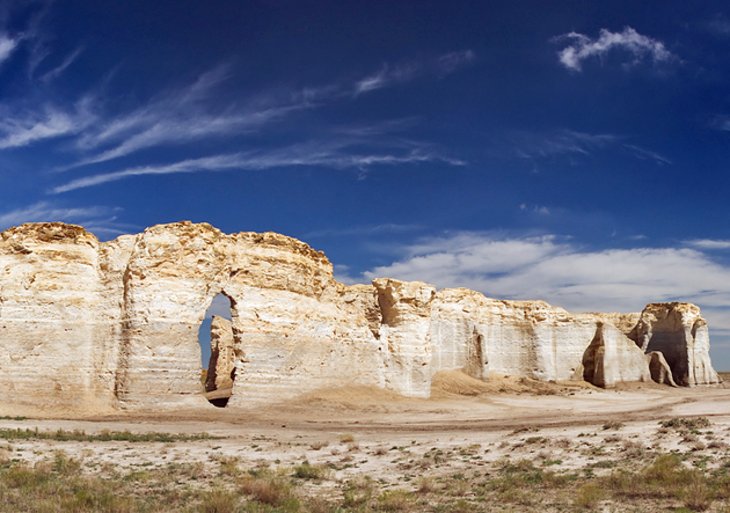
{"x": 575, "y": 152}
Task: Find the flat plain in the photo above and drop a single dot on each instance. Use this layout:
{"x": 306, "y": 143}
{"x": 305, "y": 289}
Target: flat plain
{"x": 506, "y": 445}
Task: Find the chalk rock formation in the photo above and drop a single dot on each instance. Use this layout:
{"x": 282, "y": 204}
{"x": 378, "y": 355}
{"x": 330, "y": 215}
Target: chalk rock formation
{"x": 659, "y": 369}
{"x": 613, "y": 358}
{"x": 679, "y": 332}
{"x": 92, "y": 327}
{"x": 221, "y": 369}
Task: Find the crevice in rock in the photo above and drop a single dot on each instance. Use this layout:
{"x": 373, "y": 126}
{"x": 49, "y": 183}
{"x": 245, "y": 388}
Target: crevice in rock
{"x": 475, "y": 356}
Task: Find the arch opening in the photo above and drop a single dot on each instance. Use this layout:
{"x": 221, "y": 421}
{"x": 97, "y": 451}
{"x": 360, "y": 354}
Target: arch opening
{"x": 217, "y": 355}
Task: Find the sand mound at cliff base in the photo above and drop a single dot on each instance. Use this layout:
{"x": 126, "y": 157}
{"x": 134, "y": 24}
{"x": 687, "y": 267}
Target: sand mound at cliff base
{"x": 450, "y": 383}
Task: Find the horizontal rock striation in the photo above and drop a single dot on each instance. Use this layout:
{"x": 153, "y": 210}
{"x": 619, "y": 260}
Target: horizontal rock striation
{"x": 91, "y": 327}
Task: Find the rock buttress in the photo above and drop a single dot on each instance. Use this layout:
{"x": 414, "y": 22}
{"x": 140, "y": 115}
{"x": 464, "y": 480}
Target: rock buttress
{"x": 679, "y": 332}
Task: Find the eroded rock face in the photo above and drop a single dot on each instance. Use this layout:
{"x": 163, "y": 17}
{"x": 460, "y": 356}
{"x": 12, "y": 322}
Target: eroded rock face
{"x": 613, "y": 358}
{"x": 222, "y": 355}
{"x": 678, "y": 331}
{"x": 659, "y": 369}
{"x": 93, "y": 327}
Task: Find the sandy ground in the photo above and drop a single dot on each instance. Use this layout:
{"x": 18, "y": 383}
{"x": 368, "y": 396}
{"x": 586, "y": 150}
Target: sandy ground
{"x": 370, "y": 432}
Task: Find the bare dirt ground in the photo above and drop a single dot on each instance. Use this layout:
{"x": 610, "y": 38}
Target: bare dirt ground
{"x": 468, "y": 433}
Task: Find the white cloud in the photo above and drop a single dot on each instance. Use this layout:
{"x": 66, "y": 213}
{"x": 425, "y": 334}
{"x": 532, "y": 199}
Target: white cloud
{"x": 386, "y": 76}
{"x": 566, "y": 274}
{"x": 176, "y": 117}
{"x": 582, "y": 47}
{"x": 48, "y": 122}
{"x": 17, "y": 132}
{"x": 541, "y": 210}
{"x": 450, "y": 62}
{"x": 334, "y": 155}
{"x": 709, "y": 243}
{"x": 187, "y": 114}
{"x": 574, "y": 144}
{"x": 390, "y": 75}
{"x": 644, "y": 154}
{"x": 560, "y": 142}
{"x": 56, "y": 72}
{"x": 7, "y": 46}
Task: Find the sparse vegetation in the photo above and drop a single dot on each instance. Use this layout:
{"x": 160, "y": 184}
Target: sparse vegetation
{"x": 613, "y": 425}
{"x": 308, "y": 471}
{"x": 681, "y": 465}
{"x": 64, "y": 484}
{"x": 686, "y": 423}
{"x": 62, "y": 435}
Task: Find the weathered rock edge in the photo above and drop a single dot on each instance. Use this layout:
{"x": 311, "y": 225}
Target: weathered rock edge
{"x": 89, "y": 326}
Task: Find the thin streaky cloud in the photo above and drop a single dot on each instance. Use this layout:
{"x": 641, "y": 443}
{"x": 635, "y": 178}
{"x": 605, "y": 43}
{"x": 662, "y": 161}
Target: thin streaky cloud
{"x": 168, "y": 131}
{"x": 709, "y": 243}
{"x": 644, "y": 154}
{"x": 328, "y": 156}
{"x": 389, "y": 74}
{"x": 450, "y": 62}
{"x": 534, "y": 146}
{"x": 582, "y": 47}
{"x": 174, "y": 104}
{"x": 56, "y": 72}
{"x": 560, "y": 142}
{"x": 47, "y": 123}
{"x": 184, "y": 115}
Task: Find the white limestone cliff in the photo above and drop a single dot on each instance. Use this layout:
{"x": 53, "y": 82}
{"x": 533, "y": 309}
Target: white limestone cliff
{"x": 613, "y": 358}
{"x": 678, "y": 331}
{"x": 87, "y": 326}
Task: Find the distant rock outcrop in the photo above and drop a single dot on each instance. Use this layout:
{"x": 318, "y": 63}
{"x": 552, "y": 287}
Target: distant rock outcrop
{"x": 88, "y": 326}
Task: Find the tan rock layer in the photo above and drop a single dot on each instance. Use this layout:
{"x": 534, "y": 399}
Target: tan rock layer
{"x": 89, "y": 326}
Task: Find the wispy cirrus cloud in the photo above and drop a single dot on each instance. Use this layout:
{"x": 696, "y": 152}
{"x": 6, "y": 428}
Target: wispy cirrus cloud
{"x": 573, "y": 143}
{"x": 389, "y": 75}
{"x": 560, "y": 142}
{"x": 186, "y": 114}
{"x": 58, "y": 70}
{"x": 637, "y": 46}
{"x": 29, "y": 126}
{"x": 175, "y": 117}
{"x": 644, "y": 154}
{"x": 333, "y": 155}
